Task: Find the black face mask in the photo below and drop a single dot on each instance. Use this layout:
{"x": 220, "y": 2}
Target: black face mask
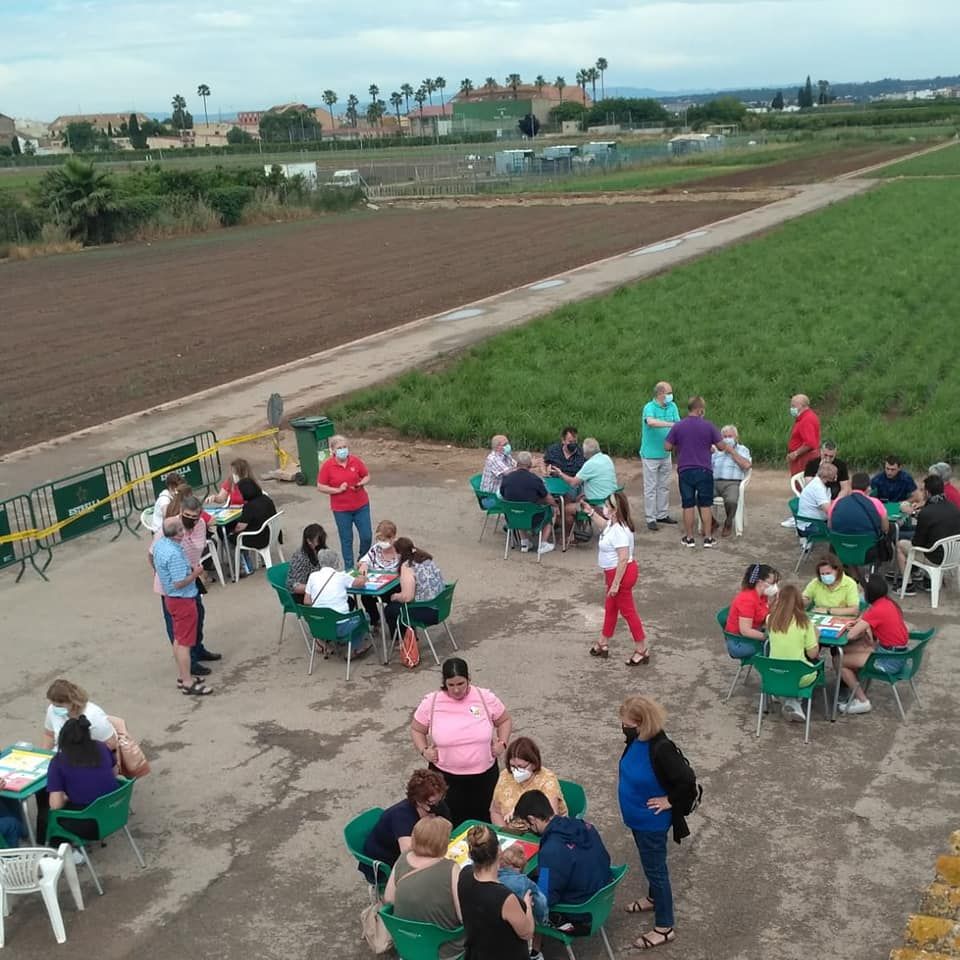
{"x": 439, "y": 809}
{"x": 188, "y": 522}
{"x": 629, "y": 734}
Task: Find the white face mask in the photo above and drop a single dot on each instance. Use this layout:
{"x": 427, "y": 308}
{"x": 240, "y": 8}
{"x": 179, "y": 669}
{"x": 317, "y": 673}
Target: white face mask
{"x": 384, "y": 544}
{"x": 235, "y": 479}
{"x": 668, "y": 398}
{"x": 61, "y": 712}
{"x": 772, "y": 590}
{"x": 521, "y": 775}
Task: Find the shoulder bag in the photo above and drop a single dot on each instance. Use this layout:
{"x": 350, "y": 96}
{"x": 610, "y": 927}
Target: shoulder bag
{"x": 133, "y": 761}
{"x": 372, "y": 927}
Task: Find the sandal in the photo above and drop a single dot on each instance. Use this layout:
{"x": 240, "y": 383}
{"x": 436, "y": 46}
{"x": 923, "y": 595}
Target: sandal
{"x": 597, "y": 651}
{"x": 640, "y": 906}
{"x": 646, "y": 943}
{"x": 196, "y": 689}
{"x": 638, "y": 659}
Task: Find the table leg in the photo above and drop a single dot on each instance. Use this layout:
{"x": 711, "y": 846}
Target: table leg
{"x": 563, "y": 523}
{"x": 837, "y": 658}
{"x": 31, "y": 833}
{"x": 383, "y": 630}
{"x": 225, "y": 552}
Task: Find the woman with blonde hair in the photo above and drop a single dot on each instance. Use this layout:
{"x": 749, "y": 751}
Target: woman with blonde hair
{"x": 792, "y": 637}
{"x": 657, "y": 788}
{"x": 345, "y": 477}
{"x": 497, "y": 923}
{"x": 423, "y": 884}
{"x": 229, "y": 492}
{"x": 620, "y": 572}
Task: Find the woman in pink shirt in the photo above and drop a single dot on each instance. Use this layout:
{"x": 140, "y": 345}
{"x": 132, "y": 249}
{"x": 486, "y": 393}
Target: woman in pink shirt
{"x": 460, "y": 730}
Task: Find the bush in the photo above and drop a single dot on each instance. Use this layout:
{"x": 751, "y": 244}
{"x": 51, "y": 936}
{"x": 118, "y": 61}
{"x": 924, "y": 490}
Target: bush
{"x": 134, "y": 211}
{"x": 229, "y": 202}
{"x": 337, "y": 199}
{"x": 19, "y": 223}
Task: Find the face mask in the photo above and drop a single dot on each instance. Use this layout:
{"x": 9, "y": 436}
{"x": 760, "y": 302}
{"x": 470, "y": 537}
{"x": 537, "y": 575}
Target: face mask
{"x": 342, "y": 453}
{"x": 668, "y": 398}
{"x": 436, "y": 808}
{"x": 188, "y": 522}
{"x": 772, "y": 590}
{"x": 730, "y": 441}
{"x": 235, "y": 479}
{"x": 828, "y": 579}
{"x": 61, "y": 712}
{"x": 384, "y": 544}
{"x": 794, "y": 412}
{"x": 507, "y": 449}
{"x": 521, "y": 775}
{"x": 629, "y": 734}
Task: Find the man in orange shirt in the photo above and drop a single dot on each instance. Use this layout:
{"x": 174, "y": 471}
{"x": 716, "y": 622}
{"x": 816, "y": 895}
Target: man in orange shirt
{"x": 804, "y": 442}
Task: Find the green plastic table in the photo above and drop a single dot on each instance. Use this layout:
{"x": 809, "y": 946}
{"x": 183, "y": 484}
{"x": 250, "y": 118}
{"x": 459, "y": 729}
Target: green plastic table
{"x": 22, "y": 796}
{"x": 558, "y": 487}
{"x": 378, "y": 593}
{"x": 835, "y": 643}
{"x": 527, "y": 838}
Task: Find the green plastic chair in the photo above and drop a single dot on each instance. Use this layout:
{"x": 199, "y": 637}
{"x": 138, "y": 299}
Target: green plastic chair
{"x": 520, "y": 516}
{"x": 600, "y": 501}
{"x": 909, "y": 660}
{"x": 598, "y": 907}
{"x": 417, "y": 941}
{"x": 852, "y": 548}
{"x": 746, "y": 661}
{"x": 441, "y": 604}
{"x": 111, "y": 813}
{"x": 322, "y": 625}
{"x": 277, "y": 578}
{"x": 781, "y": 678}
{"x": 481, "y": 495}
{"x": 814, "y": 532}
{"x": 355, "y": 835}
{"x": 575, "y": 797}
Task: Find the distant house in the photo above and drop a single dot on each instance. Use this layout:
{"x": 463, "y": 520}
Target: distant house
{"x": 99, "y": 121}
{"x": 687, "y": 143}
{"x": 7, "y": 129}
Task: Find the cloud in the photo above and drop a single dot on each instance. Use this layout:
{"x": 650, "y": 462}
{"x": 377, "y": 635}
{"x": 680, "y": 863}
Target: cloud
{"x": 224, "y": 19}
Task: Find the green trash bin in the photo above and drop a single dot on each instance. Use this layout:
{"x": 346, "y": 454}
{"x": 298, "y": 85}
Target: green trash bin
{"x": 312, "y": 434}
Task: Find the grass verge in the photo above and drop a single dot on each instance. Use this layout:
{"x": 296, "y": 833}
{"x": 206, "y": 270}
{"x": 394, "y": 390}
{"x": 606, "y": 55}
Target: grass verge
{"x": 940, "y": 163}
{"x": 852, "y": 305}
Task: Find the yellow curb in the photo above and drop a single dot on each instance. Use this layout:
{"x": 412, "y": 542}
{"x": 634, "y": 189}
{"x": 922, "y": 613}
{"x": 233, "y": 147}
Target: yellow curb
{"x": 924, "y": 931}
{"x": 941, "y": 900}
{"x": 948, "y": 869}
{"x": 910, "y": 953}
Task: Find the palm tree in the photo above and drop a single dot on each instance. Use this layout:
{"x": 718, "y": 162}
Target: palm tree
{"x": 203, "y": 91}
{"x": 593, "y": 75}
{"x": 396, "y": 98}
{"x": 330, "y": 98}
{"x": 540, "y": 83}
{"x": 582, "y": 83}
{"x": 439, "y": 84}
{"x": 514, "y": 81}
{"x": 602, "y": 66}
{"x": 352, "y": 104}
{"x": 560, "y": 83}
{"x": 374, "y": 92}
{"x": 80, "y": 198}
{"x": 420, "y": 96}
{"x": 429, "y": 85}
{"x": 466, "y": 88}
{"x": 407, "y": 92}
{"x": 179, "y": 106}
{"x": 490, "y": 84}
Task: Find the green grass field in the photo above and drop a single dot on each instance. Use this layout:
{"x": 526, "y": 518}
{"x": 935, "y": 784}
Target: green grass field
{"x": 853, "y": 305}
{"x": 941, "y": 163}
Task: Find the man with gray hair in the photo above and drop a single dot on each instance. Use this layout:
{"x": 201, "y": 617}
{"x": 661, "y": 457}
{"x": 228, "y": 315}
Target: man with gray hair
{"x": 524, "y": 486}
{"x": 658, "y": 416}
{"x": 828, "y": 454}
{"x": 598, "y": 474}
{"x": 731, "y": 461}
{"x": 499, "y": 462}
{"x": 944, "y": 472}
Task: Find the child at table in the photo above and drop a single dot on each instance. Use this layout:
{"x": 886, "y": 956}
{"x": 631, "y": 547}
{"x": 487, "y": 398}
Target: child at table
{"x": 511, "y": 875}
{"x": 792, "y": 637}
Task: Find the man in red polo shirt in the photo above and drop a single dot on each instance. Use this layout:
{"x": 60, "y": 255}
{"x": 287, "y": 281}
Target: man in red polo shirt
{"x": 804, "y": 442}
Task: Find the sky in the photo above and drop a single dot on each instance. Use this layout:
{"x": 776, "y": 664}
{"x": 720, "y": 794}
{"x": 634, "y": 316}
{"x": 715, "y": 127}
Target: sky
{"x": 87, "y": 56}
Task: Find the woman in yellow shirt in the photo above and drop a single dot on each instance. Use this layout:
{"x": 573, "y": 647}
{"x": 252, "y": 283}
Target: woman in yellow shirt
{"x": 792, "y": 637}
{"x": 524, "y": 771}
{"x": 832, "y": 591}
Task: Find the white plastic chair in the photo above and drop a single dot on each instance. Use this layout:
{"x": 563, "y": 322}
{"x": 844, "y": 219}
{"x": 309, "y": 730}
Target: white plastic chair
{"x": 740, "y": 514}
{"x": 273, "y": 525}
{"x": 796, "y": 483}
{"x": 146, "y": 519}
{"x": 26, "y": 870}
{"x": 213, "y": 553}
{"x": 935, "y": 571}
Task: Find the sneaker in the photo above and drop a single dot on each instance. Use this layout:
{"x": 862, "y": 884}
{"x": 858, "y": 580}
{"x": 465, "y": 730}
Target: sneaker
{"x": 855, "y": 706}
{"x": 199, "y": 670}
{"x": 546, "y": 547}
{"x": 78, "y": 858}
{"x": 536, "y": 955}
{"x": 792, "y": 710}
{"x": 652, "y": 525}
{"x": 524, "y": 546}
{"x": 666, "y": 520}
{"x": 688, "y": 541}
{"x": 709, "y": 542}
{"x": 788, "y": 523}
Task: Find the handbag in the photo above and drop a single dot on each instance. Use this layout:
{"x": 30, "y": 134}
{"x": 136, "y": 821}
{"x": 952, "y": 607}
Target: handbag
{"x": 373, "y": 929}
{"x": 410, "y": 648}
{"x": 132, "y": 760}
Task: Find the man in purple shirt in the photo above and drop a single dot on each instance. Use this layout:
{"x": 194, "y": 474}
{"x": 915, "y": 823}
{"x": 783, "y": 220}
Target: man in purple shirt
{"x": 694, "y": 438}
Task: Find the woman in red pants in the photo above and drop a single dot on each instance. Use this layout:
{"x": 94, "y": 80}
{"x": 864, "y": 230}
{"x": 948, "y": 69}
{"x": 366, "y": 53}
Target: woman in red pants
{"x": 620, "y": 573}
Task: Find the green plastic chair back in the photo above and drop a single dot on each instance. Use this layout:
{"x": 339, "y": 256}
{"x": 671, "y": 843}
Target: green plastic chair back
{"x": 442, "y": 603}
{"x": 739, "y": 638}
{"x": 575, "y": 797}
{"x": 852, "y": 548}
{"x": 414, "y": 940}
{"x": 482, "y": 495}
{"x": 813, "y": 528}
{"x": 782, "y": 678}
{"x": 519, "y": 516}
{"x": 598, "y": 908}
{"x": 355, "y": 835}
{"x": 922, "y": 635}
{"x": 599, "y": 501}
{"x": 322, "y": 624}
{"x": 909, "y": 660}
{"x": 111, "y": 813}
{"x": 277, "y": 578}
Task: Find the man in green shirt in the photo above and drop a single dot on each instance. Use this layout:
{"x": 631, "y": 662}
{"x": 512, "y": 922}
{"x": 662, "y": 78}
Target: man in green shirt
{"x": 658, "y": 416}
{"x": 598, "y": 475}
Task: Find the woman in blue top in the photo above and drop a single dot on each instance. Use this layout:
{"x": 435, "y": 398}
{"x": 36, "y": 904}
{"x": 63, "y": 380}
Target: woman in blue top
{"x": 654, "y": 778}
